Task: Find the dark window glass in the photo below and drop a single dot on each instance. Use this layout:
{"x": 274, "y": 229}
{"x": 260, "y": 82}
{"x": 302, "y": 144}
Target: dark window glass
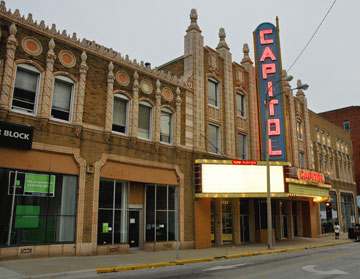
{"x": 171, "y": 193}
{"x": 161, "y": 197}
{"x": 212, "y": 93}
{"x": 171, "y": 227}
{"x": 120, "y": 115}
{"x": 104, "y": 234}
{"x": 150, "y": 213}
{"x": 244, "y": 206}
{"x": 161, "y": 225}
{"x": 106, "y": 195}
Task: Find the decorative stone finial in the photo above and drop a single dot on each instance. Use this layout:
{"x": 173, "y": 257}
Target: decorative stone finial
{"x": 51, "y": 44}
{"x": 83, "y": 57}
{"x": 111, "y": 66}
{"x": 193, "y": 18}
{"x": 246, "y": 58}
{"x": 136, "y": 75}
{"x": 158, "y": 84}
{"x": 286, "y": 83}
{"x": 222, "y": 36}
{"x": 2, "y": 7}
{"x": 300, "y": 92}
{"x": 12, "y": 29}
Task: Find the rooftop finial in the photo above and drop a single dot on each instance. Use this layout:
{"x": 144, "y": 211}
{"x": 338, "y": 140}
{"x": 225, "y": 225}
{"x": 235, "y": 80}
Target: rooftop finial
{"x": 222, "y": 36}
{"x": 246, "y": 51}
{"x": 300, "y": 92}
{"x": 12, "y": 29}
{"x": 193, "y": 18}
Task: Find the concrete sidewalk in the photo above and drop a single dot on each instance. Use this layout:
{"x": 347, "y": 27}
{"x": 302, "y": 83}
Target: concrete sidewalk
{"x": 65, "y": 266}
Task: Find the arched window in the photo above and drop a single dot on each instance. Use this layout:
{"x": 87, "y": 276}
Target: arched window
{"x": 26, "y": 89}
{"x": 145, "y": 121}
{"x": 62, "y": 99}
{"x": 121, "y": 114}
{"x": 166, "y": 128}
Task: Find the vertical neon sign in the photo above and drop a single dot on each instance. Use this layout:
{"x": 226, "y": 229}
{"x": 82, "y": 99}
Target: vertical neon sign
{"x": 268, "y": 67}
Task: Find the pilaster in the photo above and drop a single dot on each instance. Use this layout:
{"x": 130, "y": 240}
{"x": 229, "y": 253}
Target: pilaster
{"x": 229, "y": 114}
{"x": 81, "y": 91}
{"x": 156, "y": 135}
{"x": 135, "y": 107}
{"x": 177, "y": 126}
{"x": 109, "y": 99}
{"x": 8, "y": 72}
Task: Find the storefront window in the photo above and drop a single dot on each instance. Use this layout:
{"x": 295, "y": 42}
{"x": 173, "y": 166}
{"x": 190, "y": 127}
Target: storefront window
{"x": 227, "y": 220}
{"x": 160, "y": 212}
{"x": 347, "y": 211}
{"x": 329, "y": 214}
{"x": 43, "y": 207}
{"x": 113, "y": 212}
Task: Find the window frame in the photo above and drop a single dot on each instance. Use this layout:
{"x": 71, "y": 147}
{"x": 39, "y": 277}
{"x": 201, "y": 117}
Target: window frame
{"x": 244, "y": 148}
{"x": 33, "y": 70}
{"x": 147, "y": 104}
{"x": 217, "y": 93}
{"x": 64, "y": 79}
{"x": 127, "y": 100}
{"x": 300, "y": 129}
{"x": 302, "y": 162}
{"x": 241, "y": 101}
{"x": 345, "y": 124}
{"x": 217, "y": 146}
{"x": 171, "y": 133}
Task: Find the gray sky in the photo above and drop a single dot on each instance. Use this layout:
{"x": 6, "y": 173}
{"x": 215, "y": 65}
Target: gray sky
{"x": 153, "y": 31}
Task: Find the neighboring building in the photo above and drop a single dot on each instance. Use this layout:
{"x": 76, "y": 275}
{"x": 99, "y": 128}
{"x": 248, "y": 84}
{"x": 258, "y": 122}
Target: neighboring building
{"x": 333, "y": 155}
{"x": 102, "y": 153}
{"x": 349, "y": 118}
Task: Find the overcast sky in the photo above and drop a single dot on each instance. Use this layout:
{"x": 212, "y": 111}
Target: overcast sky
{"x": 153, "y": 31}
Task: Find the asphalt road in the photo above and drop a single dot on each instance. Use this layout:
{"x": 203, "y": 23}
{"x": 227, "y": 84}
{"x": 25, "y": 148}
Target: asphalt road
{"x": 340, "y": 261}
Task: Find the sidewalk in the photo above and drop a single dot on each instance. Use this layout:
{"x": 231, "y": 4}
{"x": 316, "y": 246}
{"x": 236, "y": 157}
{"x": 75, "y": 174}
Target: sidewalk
{"x": 62, "y": 266}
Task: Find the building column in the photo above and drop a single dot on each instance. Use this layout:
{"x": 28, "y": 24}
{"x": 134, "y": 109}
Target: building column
{"x": 81, "y": 93}
{"x": 218, "y": 222}
{"x": 299, "y": 218}
{"x": 134, "y": 115}
{"x": 177, "y": 126}
{"x": 290, "y": 219}
{"x": 278, "y": 221}
{"x": 202, "y": 208}
{"x": 109, "y": 100}
{"x": 236, "y": 221}
{"x": 45, "y": 105}
{"x": 8, "y": 72}
{"x": 156, "y": 134}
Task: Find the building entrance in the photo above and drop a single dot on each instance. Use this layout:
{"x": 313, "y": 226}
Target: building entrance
{"x": 245, "y": 228}
{"x": 134, "y": 228}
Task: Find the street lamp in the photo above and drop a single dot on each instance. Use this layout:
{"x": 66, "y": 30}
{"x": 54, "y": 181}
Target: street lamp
{"x": 268, "y": 200}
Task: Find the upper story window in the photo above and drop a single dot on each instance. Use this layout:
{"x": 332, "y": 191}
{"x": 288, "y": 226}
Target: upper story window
{"x": 300, "y": 130}
{"x": 213, "y": 93}
{"x": 62, "y": 99}
{"x": 240, "y": 104}
{"x": 302, "y": 160}
{"x": 243, "y": 148}
{"x": 166, "y": 134}
{"x": 145, "y": 121}
{"x": 26, "y": 89}
{"x": 120, "y": 114}
{"x": 346, "y": 124}
{"x": 214, "y": 139}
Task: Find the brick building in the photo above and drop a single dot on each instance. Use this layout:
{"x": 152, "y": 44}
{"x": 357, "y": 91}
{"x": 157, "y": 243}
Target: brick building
{"x": 101, "y": 152}
{"x": 348, "y": 118}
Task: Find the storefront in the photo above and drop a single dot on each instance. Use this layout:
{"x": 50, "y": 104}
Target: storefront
{"x": 231, "y": 203}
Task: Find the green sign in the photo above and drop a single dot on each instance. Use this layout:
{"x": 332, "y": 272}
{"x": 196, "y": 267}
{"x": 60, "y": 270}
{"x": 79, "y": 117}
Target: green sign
{"x": 105, "y": 227}
{"x": 38, "y": 184}
{"x": 27, "y": 217}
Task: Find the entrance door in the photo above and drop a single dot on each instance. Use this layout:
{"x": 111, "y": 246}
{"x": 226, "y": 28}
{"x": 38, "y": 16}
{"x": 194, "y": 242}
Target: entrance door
{"x": 134, "y": 228}
{"x": 245, "y": 228}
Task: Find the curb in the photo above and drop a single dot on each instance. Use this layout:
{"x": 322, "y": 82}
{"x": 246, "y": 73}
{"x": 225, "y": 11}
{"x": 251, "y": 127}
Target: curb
{"x": 182, "y": 262}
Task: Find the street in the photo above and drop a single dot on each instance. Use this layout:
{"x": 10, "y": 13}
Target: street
{"x": 341, "y": 261}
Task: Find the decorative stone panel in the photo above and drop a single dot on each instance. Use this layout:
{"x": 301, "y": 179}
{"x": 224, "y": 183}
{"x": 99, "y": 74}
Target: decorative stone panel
{"x": 31, "y": 46}
{"x": 167, "y": 94}
{"x": 214, "y": 114}
{"x": 122, "y": 78}
{"x": 67, "y": 58}
{"x": 146, "y": 86}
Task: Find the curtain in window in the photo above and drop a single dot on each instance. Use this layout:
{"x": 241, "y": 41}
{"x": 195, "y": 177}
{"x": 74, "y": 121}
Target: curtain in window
{"x": 214, "y": 140}
{"x": 66, "y": 220}
{"x": 26, "y": 81}
{"x": 144, "y": 121}
{"x": 119, "y": 112}
{"x": 62, "y": 95}
{"x": 165, "y": 130}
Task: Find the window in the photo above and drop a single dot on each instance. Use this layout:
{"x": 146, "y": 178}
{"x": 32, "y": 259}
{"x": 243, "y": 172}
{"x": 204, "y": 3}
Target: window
{"x": 44, "y": 207}
{"x": 145, "y": 120}
{"x": 120, "y": 114}
{"x": 242, "y": 145}
{"x": 26, "y": 89}
{"x": 213, "y": 93}
{"x": 62, "y": 99}
{"x": 214, "y": 139}
{"x": 161, "y": 207}
{"x": 241, "y": 104}
{"x": 299, "y": 130}
{"x": 302, "y": 160}
{"x": 113, "y": 212}
{"x": 166, "y": 126}
{"x": 346, "y": 124}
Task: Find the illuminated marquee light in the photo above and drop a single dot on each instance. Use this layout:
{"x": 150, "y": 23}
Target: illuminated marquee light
{"x": 311, "y": 176}
{"x": 269, "y": 73}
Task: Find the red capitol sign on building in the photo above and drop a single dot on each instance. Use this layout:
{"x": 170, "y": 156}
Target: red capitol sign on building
{"x": 311, "y": 176}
